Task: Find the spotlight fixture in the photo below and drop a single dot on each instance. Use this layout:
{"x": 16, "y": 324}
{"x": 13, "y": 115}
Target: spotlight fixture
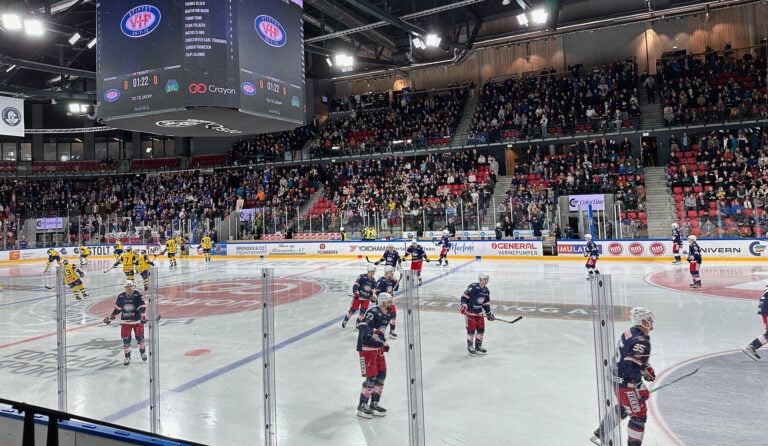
{"x": 539, "y": 16}
{"x": 433, "y": 40}
{"x": 522, "y": 19}
{"x": 12, "y": 22}
{"x": 74, "y": 39}
{"x": 34, "y": 27}
{"x": 92, "y": 43}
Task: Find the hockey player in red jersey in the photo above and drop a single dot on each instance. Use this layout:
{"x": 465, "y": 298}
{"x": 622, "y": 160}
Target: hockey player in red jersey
{"x": 133, "y": 315}
{"x": 417, "y": 257}
{"x": 475, "y": 301}
{"x": 762, "y": 310}
{"x": 362, "y": 292}
{"x": 388, "y": 284}
{"x": 371, "y": 346}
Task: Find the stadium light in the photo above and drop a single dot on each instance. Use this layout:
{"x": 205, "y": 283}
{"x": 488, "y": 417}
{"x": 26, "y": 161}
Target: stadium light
{"x": 74, "y": 39}
{"x": 9, "y": 69}
{"x": 539, "y": 16}
{"x": 506, "y": 2}
{"x": 418, "y": 43}
{"x": 328, "y": 61}
{"x": 92, "y": 43}
{"x": 34, "y": 27}
{"x": 433, "y": 40}
{"x": 344, "y": 60}
{"x": 522, "y": 19}
{"x": 74, "y": 107}
{"x": 12, "y": 22}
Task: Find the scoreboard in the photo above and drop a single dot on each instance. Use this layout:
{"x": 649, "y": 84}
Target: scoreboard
{"x": 200, "y": 67}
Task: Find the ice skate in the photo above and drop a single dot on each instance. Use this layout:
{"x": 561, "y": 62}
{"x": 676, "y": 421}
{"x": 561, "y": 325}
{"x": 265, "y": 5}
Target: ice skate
{"x": 143, "y": 356}
{"x": 127, "y": 360}
{"x": 596, "y": 438}
{"x": 471, "y": 350}
{"x": 344, "y": 323}
{"x": 751, "y": 352}
{"x": 696, "y": 285}
{"x": 363, "y": 411}
{"x": 377, "y": 410}
{"x": 479, "y": 350}
{"x": 392, "y": 334}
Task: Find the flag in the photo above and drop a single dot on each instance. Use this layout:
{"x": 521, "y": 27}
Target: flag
{"x": 11, "y": 116}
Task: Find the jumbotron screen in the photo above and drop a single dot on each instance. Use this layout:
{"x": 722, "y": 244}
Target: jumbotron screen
{"x": 171, "y": 56}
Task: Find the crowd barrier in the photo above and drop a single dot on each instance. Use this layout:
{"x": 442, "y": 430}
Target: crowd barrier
{"x": 725, "y": 249}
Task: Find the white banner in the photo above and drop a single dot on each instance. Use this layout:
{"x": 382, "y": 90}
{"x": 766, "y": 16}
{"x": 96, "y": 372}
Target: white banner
{"x": 11, "y": 116}
{"x": 731, "y": 248}
{"x": 584, "y": 201}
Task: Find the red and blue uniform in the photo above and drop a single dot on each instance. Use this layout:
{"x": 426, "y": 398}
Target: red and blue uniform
{"x": 694, "y": 261}
{"x": 592, "y": 252}
{"x": 390, "y": 258}
{"x": 677, "y": 243}
{"x": 445, "y": 243}
{"x": 385, "y": 285}
{"x": 132, "y": 311}
{"x": 363, "y": 290}
{"x": 762, "y": 310}
{"x": 633, "y": 352}
{"x": 371, "y": 348}
{"x": 417, "y": 257}
{"x": 475, "y": 301}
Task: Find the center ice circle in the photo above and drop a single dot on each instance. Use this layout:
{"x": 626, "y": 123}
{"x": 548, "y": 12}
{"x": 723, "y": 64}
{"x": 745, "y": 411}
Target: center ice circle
{"x": 220, "y": 297}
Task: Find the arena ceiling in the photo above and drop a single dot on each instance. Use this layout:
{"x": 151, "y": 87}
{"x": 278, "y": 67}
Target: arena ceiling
{"x": 376, "y": 32}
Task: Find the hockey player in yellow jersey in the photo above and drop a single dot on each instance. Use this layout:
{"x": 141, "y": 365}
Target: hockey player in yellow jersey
{"x": 206, "y": 244}
{"x": 84, "y": 253}
{"x": 72, "y": 277}
{"x": 127, "y": 259}
{"x": 118, "y": 249}
{"x": 53, "y": 256}
{"x": 143, "y": 264}
{"x": 181, "y": 246}
{"x": 170, "y": 249}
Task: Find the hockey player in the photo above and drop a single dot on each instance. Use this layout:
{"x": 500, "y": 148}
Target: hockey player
{"x": 388, "y": 284}
{"x": 762, "y": 309}
{"x": 363, "y": 292}
{"x": 371, "y": 346}
{"x": 84, "y": 253}
{"x": 142, "y": 264}
{"x": 72, "y": 277}
{"x": 390, "y": 257}
{"x": 417, "y": 257}
{"x": 592, "y": 252}
{"x": 133, "y": 315}
{"x": 694, "y": 260}
{"x": 206, "y": 244}
{"x": 181, "y": 246}
{"x": 475, "y": 301}
{"x": 445, "y": 243}
{"x": 633, "y": 353}
{"x": 677, "y": 243}
{"x": 126, "y": 259}
{"x": 53, "y": 256}
{"x": 170, "y": 248}
{"x": 118, "y": 249}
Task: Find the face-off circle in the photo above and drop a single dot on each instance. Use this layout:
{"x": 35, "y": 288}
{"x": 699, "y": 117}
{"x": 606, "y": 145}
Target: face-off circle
{"x": 747, "y": 282}
{"x": 223, "y": 297}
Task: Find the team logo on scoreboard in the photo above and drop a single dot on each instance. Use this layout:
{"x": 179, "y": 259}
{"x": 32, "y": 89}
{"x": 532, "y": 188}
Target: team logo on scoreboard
{"x": 295, "y": 102}
{"x": 112, "y": 95}
{"x": 140, "y": 21}
{"x": 270, "y": 31}
{"x": 11, "y": 116}
{"x": 248, "y": 88}
{"x": 171, "y": 86}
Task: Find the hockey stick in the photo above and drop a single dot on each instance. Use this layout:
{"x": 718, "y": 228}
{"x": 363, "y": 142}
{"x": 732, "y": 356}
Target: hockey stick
{"x": 109, "y": 269}
{"x": 678, "y": 379}
{"x": 496, "y": 318}
{"x": 368, "y": 260}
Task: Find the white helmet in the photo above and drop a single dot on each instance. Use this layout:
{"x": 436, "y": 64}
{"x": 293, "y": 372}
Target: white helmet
{"x": 640, "y": 314}
{"x": 390, "y": 245}
{"x": 482, "y": 276}
{"x": 371, "y": 267}
{"x": 691, "y": 238}
{"x": 341, "y": 229}
{"x": 129, "y": 283}
{"x": 383, "y": 298}
{"x": 674, "y": 225}
{"x": 445, "y": 231}
{"x": 588, "y": 237}
{"x": 389, "y": 269}
{"x": 414, "y": 241}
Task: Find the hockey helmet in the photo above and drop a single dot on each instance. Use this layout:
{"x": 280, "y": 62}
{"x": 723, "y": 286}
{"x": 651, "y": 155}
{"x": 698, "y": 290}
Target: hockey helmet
{"x": 389, "y": 269}
{"x": 341, "y": 229}
{"x": 384, "y": 298}
{"x": 129, "y": 283}
{"x": 128, "y": 249}
{"x": 414, "y": 242}
{"x": 445, "y": 232}
{"x": 587, "y": 236}
{"x": 144, "y": 251}
{"x": 640, "y": 314}
{"x": 674, "y": 225}
{"x": 691, "y": 238}
{"x": 371, "y": 267}
{"x": 482, "y": 276}
{"x": 65, "y": 262}
{"x": 390, "y": 245}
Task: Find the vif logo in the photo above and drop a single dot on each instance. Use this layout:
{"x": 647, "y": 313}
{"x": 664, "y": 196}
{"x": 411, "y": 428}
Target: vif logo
{"x": 112, "y": 95}
{"x": 11, "y": 116}
{"x": 198, "y": 88}
{"x": 140, "y": 21}
{"x": 248, "y": 88}
{"x": 270, "y": 31}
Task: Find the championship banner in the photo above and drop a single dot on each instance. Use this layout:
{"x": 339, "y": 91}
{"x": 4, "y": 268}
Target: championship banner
{"x": 11, "y": 116}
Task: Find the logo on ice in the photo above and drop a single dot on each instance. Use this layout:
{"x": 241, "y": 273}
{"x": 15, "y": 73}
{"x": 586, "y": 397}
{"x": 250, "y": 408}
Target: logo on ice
{"x": 584, "y": 201}
{"x": 270, "y": 31}
{"x": 140, "y": 21}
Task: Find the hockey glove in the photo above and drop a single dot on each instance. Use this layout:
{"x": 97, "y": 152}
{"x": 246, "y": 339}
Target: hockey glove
{"x": 375, "y": 263}
{"x": 108, "y": 320}
{"x": 357, "y": 295}
{"x": 463, "y": 309}
{"x": 649, "y": 374}
{"x": 143, "y": 320}
{"x": 386, "y": 347}
{"x": 490, "y": 316}
{"x": 82, "y": 274}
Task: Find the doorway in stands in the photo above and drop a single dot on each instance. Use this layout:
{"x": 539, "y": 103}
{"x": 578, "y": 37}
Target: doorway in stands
{"x": 648, "y": 150}
{"x": 511, "y": 161}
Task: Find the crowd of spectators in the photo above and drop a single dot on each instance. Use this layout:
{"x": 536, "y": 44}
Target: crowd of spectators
{"x": 413, "y": 119}
{"x": 712, "y": 87}
{"x": 536, "y": 105}
{"x": 720, "y": 184}
{"x": 268, "y": 147}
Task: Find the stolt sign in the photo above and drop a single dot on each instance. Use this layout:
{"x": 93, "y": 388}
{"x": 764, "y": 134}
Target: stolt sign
{"x": 576, "y": 202}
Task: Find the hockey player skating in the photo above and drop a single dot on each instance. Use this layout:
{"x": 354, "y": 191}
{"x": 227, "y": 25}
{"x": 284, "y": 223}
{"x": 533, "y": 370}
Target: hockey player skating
{"x": 142, "y": 264}
{"x": 206, "y": 243}
{"x": 118, "y": 249}
{"x": 133, "y": 315}
{"x": 362, "y": 292}
{"x": 475, "y": 301}
{"x": 694, "y": 261}
{"x": 84, "y": 253}
{"x": 445, "y": 244}
{"x": 72, "y": 277}
{"x": 632, "y": 367}
{"x": 418, "y": 256}
{"x": 53, "y": 256}
{"x": 677, "y": 243}
{"x": 388, "y": 284}
{"x": 762, "y": 310}
{"x": 170, "y": 249}
{"x": 390, "y": 257}
{"x": 126, "y": 259}
{"x": 592, "y": 252}
{"x": 371, "y": 346}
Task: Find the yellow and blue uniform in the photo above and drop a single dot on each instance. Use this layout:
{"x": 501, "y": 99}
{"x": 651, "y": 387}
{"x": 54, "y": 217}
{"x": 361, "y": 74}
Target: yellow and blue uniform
{"x": 143, "y": 264}
{"x": 53, "y": 256}
{"x": 72, "y": 277}
{"x": 118, "y": 249}
{"x": 206, "y": 243}
{"x": 127, "y": 259}
{"x": 181, "y": 245}
{"x": 84, "y": 253}
{"x": 170, "y": 248}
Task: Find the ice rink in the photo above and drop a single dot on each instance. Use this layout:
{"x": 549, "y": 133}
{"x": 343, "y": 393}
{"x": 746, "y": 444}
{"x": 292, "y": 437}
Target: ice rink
{"x": 536, "y": 386}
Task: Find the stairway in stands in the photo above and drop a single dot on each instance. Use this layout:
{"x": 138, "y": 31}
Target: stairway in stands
{"x": 650, "y": 114}
{"x": 499, "y": 195}
{"x": 461, "y": 134}
{"x": 659, "y": 202}
{"x": 304, "y": 210}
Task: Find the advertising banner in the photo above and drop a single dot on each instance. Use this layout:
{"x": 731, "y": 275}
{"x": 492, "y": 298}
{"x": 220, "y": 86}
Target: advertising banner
{"x": 650, "y": 249}
{"x": 11, "y": 116}
{"x": 583, "y": 201}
